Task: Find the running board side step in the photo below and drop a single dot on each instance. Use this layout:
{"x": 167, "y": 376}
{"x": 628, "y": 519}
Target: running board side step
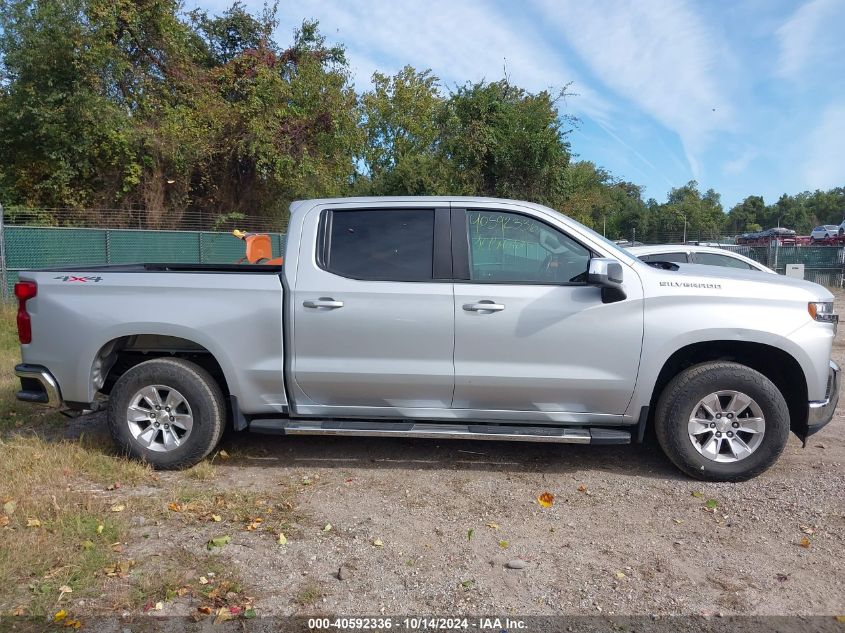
{"x": 501, "y": 432}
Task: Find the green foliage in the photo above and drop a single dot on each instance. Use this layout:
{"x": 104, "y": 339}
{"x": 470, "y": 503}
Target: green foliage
{"x": 124, "y": 104}
{"x": 232, "y": 34}
{"x": 596, "y": 198}
{"x": 227, "y": 218}
{"x": 399, "y": 119}
{"x": 505, "y": 142}
{"x": 491, "y": 139}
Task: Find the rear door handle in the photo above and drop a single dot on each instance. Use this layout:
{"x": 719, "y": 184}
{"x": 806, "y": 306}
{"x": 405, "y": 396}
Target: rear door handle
{"x": 323, "y": 302}
{"x": 484, "y": 306}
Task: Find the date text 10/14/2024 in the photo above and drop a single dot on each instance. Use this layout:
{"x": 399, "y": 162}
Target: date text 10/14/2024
{"x": 385, "y": 623}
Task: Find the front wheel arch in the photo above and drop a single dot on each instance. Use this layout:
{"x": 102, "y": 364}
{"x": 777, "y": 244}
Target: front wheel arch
{"x": 775, "y": 364}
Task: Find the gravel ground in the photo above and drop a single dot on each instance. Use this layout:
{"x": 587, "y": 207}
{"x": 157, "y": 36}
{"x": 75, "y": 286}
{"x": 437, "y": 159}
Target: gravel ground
{"x": 427, "y": 527}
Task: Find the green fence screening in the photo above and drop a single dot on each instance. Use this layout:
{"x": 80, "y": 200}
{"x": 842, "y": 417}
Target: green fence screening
{"x": 823, "y": 265}
{"x": 28, "y": 247}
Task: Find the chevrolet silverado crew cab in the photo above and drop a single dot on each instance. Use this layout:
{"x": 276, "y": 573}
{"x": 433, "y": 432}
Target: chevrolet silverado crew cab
{"x": 438, "y": 318}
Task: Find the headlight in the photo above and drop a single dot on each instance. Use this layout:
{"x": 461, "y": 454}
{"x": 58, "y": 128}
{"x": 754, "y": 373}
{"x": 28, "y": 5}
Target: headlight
{"x": 822, "y": 311}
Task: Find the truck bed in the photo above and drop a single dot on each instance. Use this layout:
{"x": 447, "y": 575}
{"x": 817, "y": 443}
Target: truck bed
{"x": 82, "y": 314}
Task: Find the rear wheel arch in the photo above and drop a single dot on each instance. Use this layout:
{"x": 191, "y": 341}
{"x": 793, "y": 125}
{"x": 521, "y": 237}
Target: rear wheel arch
{"x": 119, "y": 355}
{"x": 774, "y": 363}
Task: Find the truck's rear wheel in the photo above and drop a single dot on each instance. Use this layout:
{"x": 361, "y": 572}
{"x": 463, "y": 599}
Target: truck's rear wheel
{"x": 722, "y": 421}
{"x": 167, "y": 412}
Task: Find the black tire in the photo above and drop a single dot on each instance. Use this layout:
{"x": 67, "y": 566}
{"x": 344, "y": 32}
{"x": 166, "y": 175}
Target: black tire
{"x": 200, "y": 391}
{"x": 683, "y": 393}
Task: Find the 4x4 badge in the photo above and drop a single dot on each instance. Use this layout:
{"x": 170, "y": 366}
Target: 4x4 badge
{"x": 74, "y": 278}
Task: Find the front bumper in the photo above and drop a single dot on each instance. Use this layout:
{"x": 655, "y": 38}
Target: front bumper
{"x": 38, "y": 386}
{"x": 820, "y": 412}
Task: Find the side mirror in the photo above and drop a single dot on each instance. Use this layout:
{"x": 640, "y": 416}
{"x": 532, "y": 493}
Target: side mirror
{"x": 606, "y": 273}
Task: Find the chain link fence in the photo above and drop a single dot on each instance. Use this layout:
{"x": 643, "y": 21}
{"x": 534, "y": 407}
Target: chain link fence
{"x": 823, "y": 265}
{"x": 54, "y": 238}
{"x": 102, "y": 218}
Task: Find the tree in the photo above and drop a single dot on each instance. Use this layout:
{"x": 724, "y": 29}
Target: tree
{"x": 72, "y": 73}
{"x": 746, "y": 215}
{"x": 791, "y": 212}
{"x": 122, "y": 103}
{"x": 826, "y": 207}
{"x": 503, "y": 141}
{"x": 230, "y": 35}
{"x": 702, "y": 214}
{"x": 399, "y": 117}
{"x": 596, "y": 198}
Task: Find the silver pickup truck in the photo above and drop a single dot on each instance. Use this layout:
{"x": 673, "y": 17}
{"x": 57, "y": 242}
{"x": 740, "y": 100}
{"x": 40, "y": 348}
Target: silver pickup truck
{"x": 439, "y": 318}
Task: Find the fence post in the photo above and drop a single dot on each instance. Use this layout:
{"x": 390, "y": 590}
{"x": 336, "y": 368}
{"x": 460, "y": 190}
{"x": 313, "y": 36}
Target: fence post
{"x": 3, "y": 278}
{"x": 777, "y": 253}
{"x": 199, "y": 243}
{"x": 108, "y": 246}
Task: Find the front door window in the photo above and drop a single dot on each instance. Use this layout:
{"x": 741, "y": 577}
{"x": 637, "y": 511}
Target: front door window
{"x": 512, "y": 248}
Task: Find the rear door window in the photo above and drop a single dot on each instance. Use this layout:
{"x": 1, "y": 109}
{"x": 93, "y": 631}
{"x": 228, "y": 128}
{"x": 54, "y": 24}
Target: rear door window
{"x": 678, "y": 258}
{"x": 713, "y": 259}
{"x": 382, "y": 245}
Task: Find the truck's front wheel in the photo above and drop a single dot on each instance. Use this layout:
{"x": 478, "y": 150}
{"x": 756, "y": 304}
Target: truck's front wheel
{"x": 722, "y": 421}
{"x": 167, "y": 412}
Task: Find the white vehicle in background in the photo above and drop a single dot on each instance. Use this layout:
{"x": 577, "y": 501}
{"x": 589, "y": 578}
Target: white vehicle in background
{"x": 689, "y": 254}
{"x": 825, "y": 231}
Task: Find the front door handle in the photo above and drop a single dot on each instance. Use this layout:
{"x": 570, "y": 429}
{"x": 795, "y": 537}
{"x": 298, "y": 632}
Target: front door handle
{"x": 484, "y": 306}
{"x": 323, "y": 302}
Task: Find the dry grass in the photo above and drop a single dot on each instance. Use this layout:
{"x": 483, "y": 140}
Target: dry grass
{"x": 67, "y": 508}
{"x": 59, "y": 515}
{"x": 177, "y": 573}
{"x": 69, "y": 529}
{"x": 54, "y": 509}
{"x": 190, "y": 504}
{"x": 204, "y": 471}
{"x": 309, "y": 593}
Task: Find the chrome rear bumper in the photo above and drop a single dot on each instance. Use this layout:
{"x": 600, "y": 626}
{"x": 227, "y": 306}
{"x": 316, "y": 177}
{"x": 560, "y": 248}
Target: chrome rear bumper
{"x": 38, "y": 386}
{"x": 821, "y": 411}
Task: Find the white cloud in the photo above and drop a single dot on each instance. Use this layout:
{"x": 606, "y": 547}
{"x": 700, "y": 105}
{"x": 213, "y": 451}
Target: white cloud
{"x": 660, "y": 56}
{"x": 826, "y": 150}
{"x": 740, "y": 163}
{"x": 459, "y": 40}
{"x": 808, "y": 35}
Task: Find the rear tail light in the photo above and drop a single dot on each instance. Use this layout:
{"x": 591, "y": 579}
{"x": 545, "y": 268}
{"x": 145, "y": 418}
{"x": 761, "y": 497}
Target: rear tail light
{"x": 24, "y": 291}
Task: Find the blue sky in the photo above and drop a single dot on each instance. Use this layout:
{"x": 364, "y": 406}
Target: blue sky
{"x": 745, "y": 97}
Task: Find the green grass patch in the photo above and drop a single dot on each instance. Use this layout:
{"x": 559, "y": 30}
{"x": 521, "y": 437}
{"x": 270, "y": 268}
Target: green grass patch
{"x": 13, "y": 413}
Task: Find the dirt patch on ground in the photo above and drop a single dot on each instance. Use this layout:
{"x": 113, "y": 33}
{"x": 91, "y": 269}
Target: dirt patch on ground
{"x": 427, "y": 527}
